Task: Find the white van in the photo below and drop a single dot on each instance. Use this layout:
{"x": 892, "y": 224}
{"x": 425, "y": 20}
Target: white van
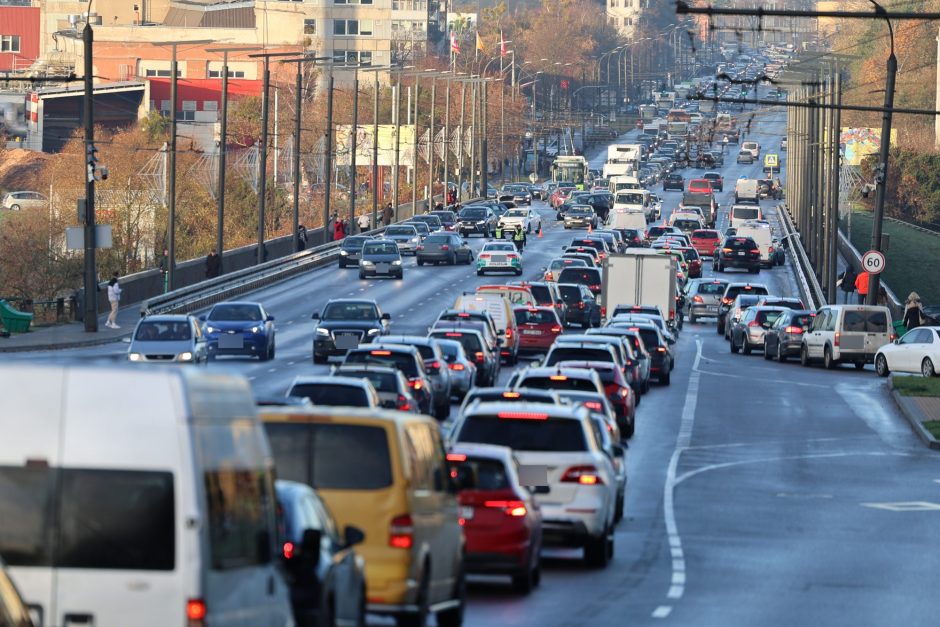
{"x": 628, "y": 219}
{"x": 633, "y": 200}
{"x": 762, "y": 234}
{"x": 501, "y": 310}
{"x": 843, "y": 333}
{"x": 618, "y": 183}
{"x": 743, "y": 213}
{"x": 137, "y": 498}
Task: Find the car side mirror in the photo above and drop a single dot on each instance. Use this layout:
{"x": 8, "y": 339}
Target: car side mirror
{"x": 270, "y": 318}
{"x": 353, "y": 536}
{"x": 310, "y": 546}
{"x": 464, "y": 478}
{"x": 315, "y": 316}
{"x": 618, "y": 450}
{"x": 202, "y": 318}
{"x": 386, "y": 316}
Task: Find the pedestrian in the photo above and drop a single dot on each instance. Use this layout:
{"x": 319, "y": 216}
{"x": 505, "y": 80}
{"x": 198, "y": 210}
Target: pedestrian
{"x": 882, "y": 296}
{"x": 338, "y": 231}
{"x": 165, "y": 267}
{"x": 519, "y": 239}
{"x": 364, "y": 222}
{"x": 499, "y": 231}
{"x": 439, "y": 207}
{"x": 861, "y": 286}
{"x": 213, "y": 264}
{"x": 387, "y": 214}
{"x": 114, "y": 298}
{"x": 913, "y": 312}
{"x": 301, "y": 237}
{"x": 847, "y": 282}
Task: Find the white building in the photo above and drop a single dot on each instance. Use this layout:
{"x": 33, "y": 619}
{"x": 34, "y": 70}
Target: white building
{"x": 625, "y": 14}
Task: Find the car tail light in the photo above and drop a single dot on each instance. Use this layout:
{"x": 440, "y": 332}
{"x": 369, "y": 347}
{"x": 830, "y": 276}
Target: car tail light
{"x": 726, "y": 301}
{"x": 753, "y": 323}
{"x": 445, "y": 247}
{"x": 756, "y": 251}
{"x": 288, "y": 550}
{"x": 381, "y": 353}
{"x": 594, "y": 288}
{"x": 435, "y": 365}
{"x": 401, "y": 532}
{"x": 508, "y": 333}
{"x": 456, "y": 457}
{"x": 661, "y": 349}
{"x": 593, "y": 405}
{"x": 892, "y": 337}
{"x": 793, "y": 330}
{"x": 522, "y": 415}
{"x": 457, "y": 367}
{"x": 478, "y": 356}
{"x": 549, "y": 277}
{"x": 603, "y": 312}
{"x": 585, "y": 475}
{"x": 726, "y": 250}
{"x": 420, "y": 247}
{"x": 195, "y": 612}
{"x": 463, "y": 315}
{"x": 415, "y": 383}
{"x": 403, "y": 403}
{"x": 510, "y": 508}
{"x": 556, "y": 329}
{"x": 838, "y": 338}
{"x": 698, "y": 299}
{"x": 581, "y": 305}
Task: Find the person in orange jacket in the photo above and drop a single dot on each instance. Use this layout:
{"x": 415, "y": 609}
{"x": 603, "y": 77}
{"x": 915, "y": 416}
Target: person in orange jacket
{"x": 861, "y": 286}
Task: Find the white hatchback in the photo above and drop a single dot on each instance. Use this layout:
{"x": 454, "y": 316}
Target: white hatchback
{"x": 23, "y": 200}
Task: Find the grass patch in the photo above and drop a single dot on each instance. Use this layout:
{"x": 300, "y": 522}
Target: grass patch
{"x": 916, "y": 386}
{"x": 909, "y": 254}
{"x": 933, "y": 426}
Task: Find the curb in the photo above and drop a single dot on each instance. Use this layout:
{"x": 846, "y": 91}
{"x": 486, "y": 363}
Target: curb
{"x": 99, "y": 341}
{"x": 914, "y": 416}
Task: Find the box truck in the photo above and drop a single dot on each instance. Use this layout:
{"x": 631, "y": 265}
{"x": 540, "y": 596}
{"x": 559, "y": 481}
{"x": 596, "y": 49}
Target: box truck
{"x": 640, "y": 277}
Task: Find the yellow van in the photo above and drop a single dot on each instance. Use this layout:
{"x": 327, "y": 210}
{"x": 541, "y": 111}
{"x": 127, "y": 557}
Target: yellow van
{"x": 384, "y": 472}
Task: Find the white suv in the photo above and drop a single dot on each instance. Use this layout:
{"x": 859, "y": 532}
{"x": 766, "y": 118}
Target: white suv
{"x": 23, "y": 200}
{"x": 751, "y": 147}
{"x": 579, "y": 501}
{"x": 526, "y": 219}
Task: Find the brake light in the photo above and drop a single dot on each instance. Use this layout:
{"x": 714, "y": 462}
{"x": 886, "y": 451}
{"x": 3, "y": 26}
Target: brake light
{"x": 698, "y": 299}
{"x": 661, "y": 349}
{"x": 436, "y": 365}
{"x": 478, "y": 356}
{"x": 420, "y": 247}
{"x": 556, "y": 329}
{"x": 522, "y": 415}
{"x": 403, "y": 403}
{"x": 511, "y": 395}
{"x": 594, "y": 288}
{"x": 381, "y": 353}
{"x": 753, "y": 323}
{"x": 288, "y": 550}
{"x": 401, "y": 532}
{"x": 511, "y": 508}
{"x": 726, "y": 301}
{"x": 416, "y": 384}
{"x": 585, "y": 475}
{"x": 726, "y": 250}
{"x": 463, "y": 315}
{"x": 457, "y": 367}
{"x": 593, "y": 405}
{"x": 558, "y": 377}
{"x": 838, "y": 337}
{"x": 794, "y": 330}
{"x": 195, "y": 612}
{"x": 756, "y": 251}
{"x": 549, "y": 277}
{"x": 445, "y": 247}
{"x": 603, "y": 312}
{"x": 456, "y": 457}
{"x": 508, "y": 333}
{"x": 581, "y": 305}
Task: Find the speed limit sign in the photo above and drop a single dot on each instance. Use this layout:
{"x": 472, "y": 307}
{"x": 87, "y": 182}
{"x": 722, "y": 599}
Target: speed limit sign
{"x": 873, "y": 261}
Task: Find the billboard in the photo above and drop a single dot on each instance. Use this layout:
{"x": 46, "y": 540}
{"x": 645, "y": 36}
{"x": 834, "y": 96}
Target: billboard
{"x": 858, "y": 143}
{"x": 364, "y": 144}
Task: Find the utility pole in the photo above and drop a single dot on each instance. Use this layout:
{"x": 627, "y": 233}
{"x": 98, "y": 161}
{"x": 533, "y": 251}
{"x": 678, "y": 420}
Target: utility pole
{"x": 328, "y": 157}
{"x": 484, "y": 143}
{"x": 446, "y": 143}
{"x": 375, "y": 152}
{"x": 352, "y": 150}
{"x": 91, "y": 270}
{"x": 834, "y": 189}
{"x": 460, "y": 141}
{"x": 171, "y": 201}
{"x": 431, "y": 145}
{"x": 298, "y": 105}
{"x": 881, "y": 170}
{"x": 263, "y": 158}
{"x": 473, "y": 143}
{"x": 414, "y": 169}
{"x": 223, "y": 134}
{"x": 396, "y": 120}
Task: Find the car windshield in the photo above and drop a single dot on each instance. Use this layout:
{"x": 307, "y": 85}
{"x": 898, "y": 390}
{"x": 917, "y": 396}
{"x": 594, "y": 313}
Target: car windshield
{"x": 331, "y": 394}
{"x": 499, "y": 247}
{"x": 380, "y": 248}
{"x": 163, "y": 331}
{"x": 350, "y": 311}
{"x": 525, "y": 434}
{"x": 580, "y": 211}
{"x": 353, "y": 241}
{"x": 421, "y": 227}
{"x": 401, "y": 230}
{"x": 516, "y": 213}
{"x": 240, "y": 313}
{"x": 473, "y": 213}
{"x": 445, "y": 216}
{"x": 430, "y": 220}
{"x": 380, "y": 357}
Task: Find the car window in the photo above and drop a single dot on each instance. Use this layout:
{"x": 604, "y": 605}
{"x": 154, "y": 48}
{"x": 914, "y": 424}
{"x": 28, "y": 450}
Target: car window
{"x": 474, "y": 214}
{"x": 380, "y": 248}
{"x": 767, "y": 318}
{"x": 525, "y": 434}
{"x": 535, "y": 316}
{"x": 438, "y": 239}
{"x": 586, "y": 276}
{"x": 401, "y": 230}
{"x": 331, "y": 456}
{"x": 557, "y": 383}
{"x": 331, "y": 394}
{"x": 853, "y": 321}
{"x": 489, "y": 474}
{"x": 470, "y": 341}
{"x": 393, "y": 359}
{"x": 350, "y": 311}
{"x": 876, "y": 321}
{"x": 381, "y": 381}
{"x": 711, "y": 288}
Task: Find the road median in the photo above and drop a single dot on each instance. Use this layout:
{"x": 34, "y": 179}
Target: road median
{"x": 918, "y": 399}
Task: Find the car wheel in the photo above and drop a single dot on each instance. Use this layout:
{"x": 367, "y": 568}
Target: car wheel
{"x": 859, "y": 365}
{"x": 452, "y": 260}
{"x": 781, "y": 356}
{"x": 362, "y": 276}
{"x": 718, "y": 327}
{"x": 666, "y": 379}
{"x": 418, "y": 618}
{"x": 272, "y": 351}
{"x": 732, "y": 345}
{"x": 692, "y": 318}
{"x": 804, "y": 356}
{"x": 828, "y": 362}
{"x": 420, "y": 262}
{"x": 319, "y": 359}
{"x": 14, "y": 207}
{"x": 479, "y": 272}
{"x": 597, "y": 552}
{"x": 526, "y": 581}
{"x": 453, "y": 616}
{"x": 342, "y": 262}
{"x": 746, "y": 347}
{"x": 767, "y": 355}
{"x": 927, "y": 369}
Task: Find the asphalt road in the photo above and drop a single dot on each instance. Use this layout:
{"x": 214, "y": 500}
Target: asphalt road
{"x": 759, "y": 493}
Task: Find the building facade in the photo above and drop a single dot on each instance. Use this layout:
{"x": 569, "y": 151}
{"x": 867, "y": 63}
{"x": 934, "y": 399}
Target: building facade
{"x": 625, "y": 15}
{"x": 20, "y": 37}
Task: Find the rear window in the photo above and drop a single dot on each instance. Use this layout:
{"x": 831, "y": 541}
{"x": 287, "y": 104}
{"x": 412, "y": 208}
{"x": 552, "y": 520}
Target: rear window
{"x": 107, "y": 519}
{"x": 570, "y": 293}
{"x": 331, "y": 394}
{"x": 469, "y": 341}
{"x": 745, "y": 213}
{"x": 538, "y": 316}
{"x": 381, "y": 381}
{"x": 740, "y": 243}
{"x": 542, "y": 295}
{"x": 804, "y": 320}
{"x": 712, "y": 288}
{"x": 567, "y": 383}
{"x": 525, "y": 435}
{"x": 734, "y": 290}
{"x": 576, "y": 353}
{"x": 488, "y": 474}
{"x": 705, "y": 234}
{"x": 437, "y": 239}
{"x": 767, "y": 318}
{"x": 584, "y": 276}
{"x": 400, "y": 361}
{"x": 331, "y": 456}
{"x": 865, "y": 321}
{"x": 650, "y": 337}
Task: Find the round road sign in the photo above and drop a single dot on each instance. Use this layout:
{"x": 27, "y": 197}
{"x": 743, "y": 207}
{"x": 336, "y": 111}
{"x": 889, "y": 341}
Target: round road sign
{"x": 873, "y": 261}
{"x": 534, "y": 178}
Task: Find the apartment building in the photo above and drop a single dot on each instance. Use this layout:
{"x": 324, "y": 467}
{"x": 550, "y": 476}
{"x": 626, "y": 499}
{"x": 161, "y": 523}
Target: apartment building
{"x": 19, "y": 35}
{"x": 625, "y": 14}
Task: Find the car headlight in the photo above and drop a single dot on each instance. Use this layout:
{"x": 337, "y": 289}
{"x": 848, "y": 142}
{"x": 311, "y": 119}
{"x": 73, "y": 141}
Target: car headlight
{"x": 343, "y": 253}
{"x": 415, "y": 240}
{"x": 323, "y": 333}
{"x": 135, "y": 357}
{"x": 397, "y": 262}
{"x": 481, "y": 222}
{"x": 211, "y": 329}
{"x": 373, "y": 331}
{"x": 365, "y": 262}
{"x": 187, "y": 356}
{"x": 255, "y": 329}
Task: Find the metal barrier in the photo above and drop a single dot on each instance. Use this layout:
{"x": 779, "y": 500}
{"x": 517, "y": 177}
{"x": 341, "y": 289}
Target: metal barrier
{"x": 810, "y": 290}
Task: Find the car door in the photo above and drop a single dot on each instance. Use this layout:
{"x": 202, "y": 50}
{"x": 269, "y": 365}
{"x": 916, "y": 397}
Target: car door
{"x": 815, "y": 338}
{"x": 906, "y": 355}
{"x": 877, "y": 330}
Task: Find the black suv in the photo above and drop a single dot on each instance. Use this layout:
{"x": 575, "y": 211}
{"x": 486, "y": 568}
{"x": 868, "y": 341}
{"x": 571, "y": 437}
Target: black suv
{"x": 582, "y": 306}
{"x": 407, "y": 360}
{"x": 350, "y": 251}
{"x": 674, "y": 181}
{"x": 737, "y": 252}
{"x": 476, "y": 219}
{"x": 345, "y": 323}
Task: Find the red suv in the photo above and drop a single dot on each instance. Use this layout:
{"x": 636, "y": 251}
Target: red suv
{"x": 538, "y": 327}
{"x": 501, "y": 521}
{"x": 706, "y": 241}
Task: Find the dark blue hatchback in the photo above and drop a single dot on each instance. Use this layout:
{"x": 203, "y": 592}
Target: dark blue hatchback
{"x": 239, "y": 328}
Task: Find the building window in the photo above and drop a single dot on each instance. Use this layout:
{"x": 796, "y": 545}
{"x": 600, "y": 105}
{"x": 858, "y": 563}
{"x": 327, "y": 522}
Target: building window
{"x": 363, "y": 28}
{"x": 218, "y": 74}
{"x": 210, "y": 105}
{"x": 9, "y": 43}
{"x": 310, "y": 27}
{"x": 185, "y": 116}
{"x": 162, "y": 74}
{"x": 352, "y": 57}
{"x": 352, "y": 1}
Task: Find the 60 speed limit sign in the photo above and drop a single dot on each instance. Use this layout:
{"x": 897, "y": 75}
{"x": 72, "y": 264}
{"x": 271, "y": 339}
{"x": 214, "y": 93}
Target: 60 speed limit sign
{"x": 873, "y": 261}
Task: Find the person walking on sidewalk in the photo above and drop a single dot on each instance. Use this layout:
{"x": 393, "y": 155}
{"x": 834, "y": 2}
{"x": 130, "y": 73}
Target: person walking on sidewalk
{"x": 847, "y": 282}
{"x": 387, "y": 214}
{"x": 213, "y": 264}
{"x": 114, "y": 298}
{"x": 913, "y": 312}
{"x": 363, "y": 222}
{"x": 861, "y": 286}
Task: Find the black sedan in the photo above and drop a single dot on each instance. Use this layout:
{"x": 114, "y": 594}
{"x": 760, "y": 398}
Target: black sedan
{"x": 344, "y": 324}
{"x": 674, "y": 181}
{"x": 737, "y": 252}
{"x": 475, "y": 219}
{"x": 444, "y": 247}
{"x": 784, "y": 337}
{"x": 350, "y": 251}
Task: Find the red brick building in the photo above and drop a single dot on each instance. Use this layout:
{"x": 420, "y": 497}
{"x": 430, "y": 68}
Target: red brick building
{"x": 19, "y": 37}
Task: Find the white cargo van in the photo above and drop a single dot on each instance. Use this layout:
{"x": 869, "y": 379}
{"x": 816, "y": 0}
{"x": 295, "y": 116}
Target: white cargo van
{"x": 628, "y": 219}
{"x": 136, "y": 498}
{"x": 618, "y": 183}
{"x": 762, "y": 235}
{"x": 743, "y": 213}
{"x": 633, "y": 200}
{"x": 747, "y": 190}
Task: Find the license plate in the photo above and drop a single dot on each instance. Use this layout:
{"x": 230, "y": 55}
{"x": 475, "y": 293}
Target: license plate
{"x": 345, "y": 342}
{"x": 466, "y": 513}
{"x": 381, "y": 268}
{"x": 498, "y": 260}
{"x": 531, "y": 332}
{"x": 740, "y": 253}
{"x": 231, "y": 341}
{"x": 711, "y": 308}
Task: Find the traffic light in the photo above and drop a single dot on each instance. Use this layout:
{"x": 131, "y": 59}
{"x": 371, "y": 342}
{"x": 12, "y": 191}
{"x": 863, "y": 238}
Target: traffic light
{"x": 94, "y": 172}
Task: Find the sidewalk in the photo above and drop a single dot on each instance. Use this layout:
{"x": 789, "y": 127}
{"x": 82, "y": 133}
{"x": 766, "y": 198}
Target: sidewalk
{"x": 72, "y": 335}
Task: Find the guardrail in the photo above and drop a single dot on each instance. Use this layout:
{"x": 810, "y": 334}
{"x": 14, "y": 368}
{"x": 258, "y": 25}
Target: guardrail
{"x": 810, "y": 290}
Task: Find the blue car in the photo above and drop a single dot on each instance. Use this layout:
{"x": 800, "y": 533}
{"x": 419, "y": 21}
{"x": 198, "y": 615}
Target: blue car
{"x": 239, "y": 328}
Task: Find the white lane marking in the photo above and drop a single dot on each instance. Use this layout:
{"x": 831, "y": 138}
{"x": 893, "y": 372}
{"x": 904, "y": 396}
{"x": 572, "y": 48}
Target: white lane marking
{"x": 677, "y": 589}
{"x": 272, "y": 369}
{"x": 662, "y": 611}
{"x": 751, "y": 378}
{"x": 905, "y": 506}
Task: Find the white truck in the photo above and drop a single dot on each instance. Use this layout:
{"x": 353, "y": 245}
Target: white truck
{"x": 747, "y": 190}
{"x": 616, "y": 169}
{"x": 623, "y": 159}
{"x": 640, "y": 277}
{"x": 634, "y": 200}
{"x": 618, "y": 183}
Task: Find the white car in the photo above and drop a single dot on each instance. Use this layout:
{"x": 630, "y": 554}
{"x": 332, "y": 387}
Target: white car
{"x": 917, "y": 351}
{"x": 23, "y": 200}
{"x": 499, "y": 256}
{"x": 528, "y": 219}
{"x": 560, "y": 443}
{"x": 847, "y": 333}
